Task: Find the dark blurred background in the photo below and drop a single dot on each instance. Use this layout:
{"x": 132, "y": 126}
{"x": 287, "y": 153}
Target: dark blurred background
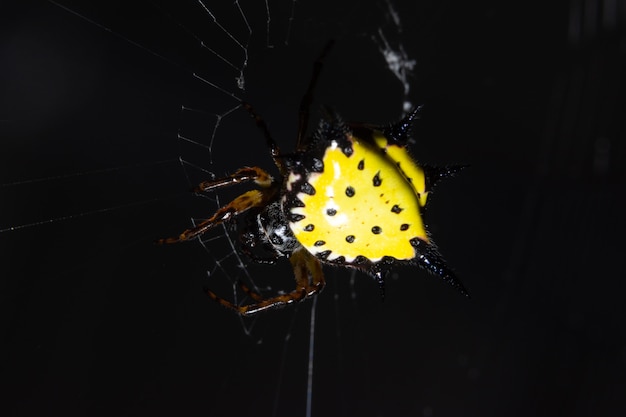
{"x": 96, "y": 320}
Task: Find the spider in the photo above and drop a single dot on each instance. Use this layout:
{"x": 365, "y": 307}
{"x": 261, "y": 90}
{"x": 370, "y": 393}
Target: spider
{"x": 350, "y": 196}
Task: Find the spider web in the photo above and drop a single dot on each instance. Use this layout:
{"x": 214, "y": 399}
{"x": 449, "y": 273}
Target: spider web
{"x": 214, "y": 55}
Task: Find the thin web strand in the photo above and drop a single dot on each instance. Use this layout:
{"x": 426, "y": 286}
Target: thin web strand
{"x": 244, "y": 48}
{"x": 292, "y": 18}
{"x": 199, "y": 40}
{"x": 88, "y": 213}
{"x": 85, "y": 173}
{"x": 116, "y": 34}
{"x": 309, "y": 383}
{"x": 268, "y": 22}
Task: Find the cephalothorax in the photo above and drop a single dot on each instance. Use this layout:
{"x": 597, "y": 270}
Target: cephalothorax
{"x": 350, "y": 195}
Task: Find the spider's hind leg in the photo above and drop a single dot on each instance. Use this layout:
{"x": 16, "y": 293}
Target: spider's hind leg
{"x": 309, "y": 281}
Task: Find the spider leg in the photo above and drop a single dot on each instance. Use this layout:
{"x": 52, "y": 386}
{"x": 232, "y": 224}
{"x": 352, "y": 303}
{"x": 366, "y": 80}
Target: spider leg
{"x": 303, "y": 118}
{"x": 253, "y": 294}
{"x": 260, "y": 260}
{"x": 255, "y": 174}
{"x": 309, "y": 281}
{"x": 307, "y": 99}
{"x": 245, "y": 201}
{"x": 271, "y": 143}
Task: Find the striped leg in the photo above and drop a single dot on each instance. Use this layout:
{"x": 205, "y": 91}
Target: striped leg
{"x": 309, "y": 281}
{"x": 246, "y": 174}
{"x": 244, "y": 202}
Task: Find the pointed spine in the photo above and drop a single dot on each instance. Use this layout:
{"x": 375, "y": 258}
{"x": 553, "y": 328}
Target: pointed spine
{"x": 398, "y": 133}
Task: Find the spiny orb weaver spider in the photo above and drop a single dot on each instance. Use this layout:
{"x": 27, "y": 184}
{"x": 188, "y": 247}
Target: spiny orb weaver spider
{"x": 350, "y": 195}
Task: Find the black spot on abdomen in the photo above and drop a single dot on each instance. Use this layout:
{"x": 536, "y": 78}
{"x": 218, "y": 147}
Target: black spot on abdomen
{"x": 376, "y": 180}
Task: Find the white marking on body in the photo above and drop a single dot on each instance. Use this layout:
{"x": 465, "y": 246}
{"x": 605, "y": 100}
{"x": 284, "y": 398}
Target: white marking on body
{"x": 298, "y": 210}
{"x": 292, "y": 179}
{"x": 338, "y": 220}
{"x": 337, "y": 168}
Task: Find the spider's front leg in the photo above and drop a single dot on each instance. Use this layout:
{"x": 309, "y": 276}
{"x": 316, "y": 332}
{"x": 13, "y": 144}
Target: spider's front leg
{"x": 255, "y": 174}
{"x": 309, "y": 281}
{"x": 246, "y": 201}
{"x": 241, "y": 204}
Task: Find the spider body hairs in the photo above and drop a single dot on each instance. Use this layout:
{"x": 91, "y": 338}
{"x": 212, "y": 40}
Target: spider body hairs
{"x": 350, "y": 195}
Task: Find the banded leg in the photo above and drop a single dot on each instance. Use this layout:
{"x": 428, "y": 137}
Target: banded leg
{"x": 251, "y": 293}
{"x": 244, "y": 202}
{"x": 255, "y": 174}
{"x": 309, "y": 281}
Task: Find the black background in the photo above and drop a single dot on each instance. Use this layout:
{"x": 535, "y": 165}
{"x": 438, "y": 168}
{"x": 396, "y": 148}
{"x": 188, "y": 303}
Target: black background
{"x": 96, "y": 320}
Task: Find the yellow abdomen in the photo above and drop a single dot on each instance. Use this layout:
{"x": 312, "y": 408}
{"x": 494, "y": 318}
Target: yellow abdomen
{"x": 365, "y": 204}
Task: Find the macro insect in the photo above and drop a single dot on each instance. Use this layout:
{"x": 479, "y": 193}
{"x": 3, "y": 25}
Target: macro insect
{"x": 349, "y": 196}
